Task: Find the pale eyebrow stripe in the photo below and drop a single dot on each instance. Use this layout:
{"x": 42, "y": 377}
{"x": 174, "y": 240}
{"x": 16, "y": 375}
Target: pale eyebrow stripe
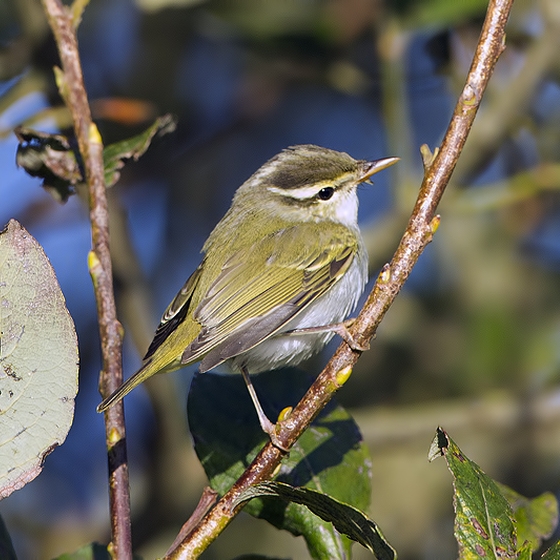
{"x": 301, "y": 193}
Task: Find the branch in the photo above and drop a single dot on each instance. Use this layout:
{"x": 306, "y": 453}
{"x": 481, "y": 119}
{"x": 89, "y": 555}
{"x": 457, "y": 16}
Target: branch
{"x": 63, "y": 22}
{"x": 421, "y": 227}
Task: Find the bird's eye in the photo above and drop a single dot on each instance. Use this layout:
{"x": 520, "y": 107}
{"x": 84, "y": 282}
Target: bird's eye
{"x": 325, "y": 193}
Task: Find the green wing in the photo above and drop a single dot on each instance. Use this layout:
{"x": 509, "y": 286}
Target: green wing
{"x": 256, "y": 292}
{"x": 261, "y": 289}
{"x": 175, "y": 313}
{"x": 172, "y": 330}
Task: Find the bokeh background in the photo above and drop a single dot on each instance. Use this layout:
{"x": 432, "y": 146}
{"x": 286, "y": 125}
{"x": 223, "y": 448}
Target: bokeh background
{"x": 472, "y": 343}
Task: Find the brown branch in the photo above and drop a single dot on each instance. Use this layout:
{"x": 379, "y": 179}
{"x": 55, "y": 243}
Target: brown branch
{"x": 207, "y": 500}
{"x": 418, "y": 234}
{"x": 71, "y": 86}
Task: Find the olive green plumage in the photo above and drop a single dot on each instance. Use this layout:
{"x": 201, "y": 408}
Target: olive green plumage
{"x": 287, "y": 256}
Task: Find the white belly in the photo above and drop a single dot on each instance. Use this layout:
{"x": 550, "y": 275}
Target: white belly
{"x": 333, "y": 307}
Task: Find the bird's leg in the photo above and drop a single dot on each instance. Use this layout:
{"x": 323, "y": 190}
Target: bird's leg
{"x": 267, "y": 426}
{"x": 341, "y": 329}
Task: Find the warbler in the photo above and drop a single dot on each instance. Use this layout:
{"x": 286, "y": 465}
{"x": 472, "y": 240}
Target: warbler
{"x": 279, "y": 275}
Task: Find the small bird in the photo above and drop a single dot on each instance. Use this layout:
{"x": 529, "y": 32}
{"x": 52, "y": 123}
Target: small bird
{"x": 280, "y": 273}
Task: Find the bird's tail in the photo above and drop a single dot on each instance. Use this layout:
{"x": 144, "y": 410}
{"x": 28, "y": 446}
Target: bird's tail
{"x": 147, "y": 370}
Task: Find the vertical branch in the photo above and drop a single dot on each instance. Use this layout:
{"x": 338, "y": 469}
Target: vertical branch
{"x": 71, "y": 85}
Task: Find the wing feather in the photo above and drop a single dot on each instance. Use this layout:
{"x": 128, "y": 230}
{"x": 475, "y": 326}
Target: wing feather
{"x": 249, "y": 301}
{"x": 175, "y": 313}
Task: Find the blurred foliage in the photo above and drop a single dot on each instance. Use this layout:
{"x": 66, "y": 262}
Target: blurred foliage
{"x": 471, "y": 343}
{"x": 6, "y": 546}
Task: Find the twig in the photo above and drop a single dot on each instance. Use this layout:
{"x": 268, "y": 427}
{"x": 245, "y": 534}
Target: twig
{"x": 418, "y": 234}
{"x": 207, "y": 500}
{"x": 173, "y": 459}
{"x": 71, "y": 85}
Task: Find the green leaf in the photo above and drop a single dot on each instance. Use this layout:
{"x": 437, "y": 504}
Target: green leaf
{"x": 114, "y": 155}
{"x": 92, "y": 551}
{"x": 329, "y": 457}
{"x": 524, "y": 553}
{"x": 553, "y": 553}
{"x": 38, "y": 360}
{"x": 7, "y": 551}
{"x": 536, "y": 518}
{"x": 346, "y": 519}
{"x": 50, "y": 157}
{"x": 484, "y": 520}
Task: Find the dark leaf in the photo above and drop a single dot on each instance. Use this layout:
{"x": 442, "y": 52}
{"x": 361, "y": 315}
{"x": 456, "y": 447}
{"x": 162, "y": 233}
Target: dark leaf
{"x": 51, "y": 158}
{"x": 114, "y": 155}
{"x": 346, "y": 519}
{"x": 329, "y": 457}
{"x": 7, "y": 551}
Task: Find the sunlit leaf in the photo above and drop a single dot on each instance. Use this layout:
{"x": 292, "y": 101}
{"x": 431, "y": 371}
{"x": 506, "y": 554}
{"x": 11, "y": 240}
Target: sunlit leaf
{"x": 525, "y": 553}
{"x": 553, "y": 553}
{"x": 484, "y": 520}
{"x": 38, "y": 360}
{"x": 536, "y": 518}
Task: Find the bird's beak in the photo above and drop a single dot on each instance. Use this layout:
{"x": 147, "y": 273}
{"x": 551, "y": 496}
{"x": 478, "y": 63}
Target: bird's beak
{"x": 372, "y": 167}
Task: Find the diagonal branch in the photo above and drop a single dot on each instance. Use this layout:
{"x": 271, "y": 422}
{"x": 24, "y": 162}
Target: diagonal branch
{"x": 421, "y": 227}
{"x": 71, "y": 85}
